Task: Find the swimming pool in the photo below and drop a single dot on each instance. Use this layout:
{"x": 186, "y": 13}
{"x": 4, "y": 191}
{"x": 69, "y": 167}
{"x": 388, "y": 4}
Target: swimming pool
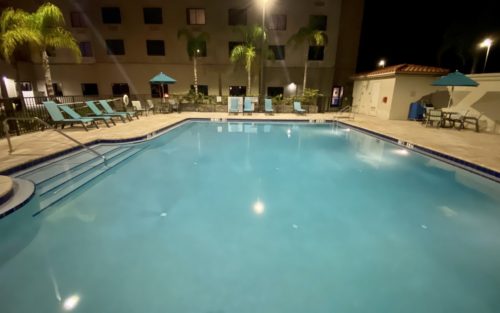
{"x": 261, "y": 217}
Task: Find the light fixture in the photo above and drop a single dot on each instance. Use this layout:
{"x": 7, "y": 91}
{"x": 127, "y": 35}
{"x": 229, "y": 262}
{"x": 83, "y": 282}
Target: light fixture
{"x": 381, "y": 63}
{"x": 486, "y": 44}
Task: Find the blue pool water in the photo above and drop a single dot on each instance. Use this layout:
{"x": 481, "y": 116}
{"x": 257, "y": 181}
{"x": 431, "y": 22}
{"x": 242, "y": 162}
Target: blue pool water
{"x": 269, "y": 218}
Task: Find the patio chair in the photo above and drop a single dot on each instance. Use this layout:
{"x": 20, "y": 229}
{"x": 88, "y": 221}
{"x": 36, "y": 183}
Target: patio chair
{"x": 460, "y": 121}
{"x": 248, "y": 106}
{"x": 268, "y": 106}
{"x": 234, "y": 105}
{"x": 58, "y": 118}
{"x": 174, "y": 105}
{"x": 73, "y": 114}
{"x": 434, "y": 116}
{"x": 96, "y": 112}
{"x": 107, "y": 108}
{"x": 297, "y": 108}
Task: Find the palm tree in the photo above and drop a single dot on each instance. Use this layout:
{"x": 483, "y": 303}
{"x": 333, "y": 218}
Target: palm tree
{"x": 247, "y": 51}
{"x": 15, "y": 33}
{"x": 313, "y": 37}
{"x": 195, "y": 42}
{"x": 48, "y": 22}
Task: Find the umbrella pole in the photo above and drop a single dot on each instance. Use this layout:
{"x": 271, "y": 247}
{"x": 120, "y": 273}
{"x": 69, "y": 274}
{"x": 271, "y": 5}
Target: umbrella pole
{"x": 162, "y": 94}
{"x": 451, "y": 96}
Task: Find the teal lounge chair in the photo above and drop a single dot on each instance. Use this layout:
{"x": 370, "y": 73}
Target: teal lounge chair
{"x": 234, "y": 106}
{"x": 107, "y": 108}
{"x": 95, "y": 110}
{"x": 58, "y": 118}
{"x": 268, "y": 106}
{"x": 297, "y": 108}
{"x": 247, "y": 106}
{"x": 75, "y": 115}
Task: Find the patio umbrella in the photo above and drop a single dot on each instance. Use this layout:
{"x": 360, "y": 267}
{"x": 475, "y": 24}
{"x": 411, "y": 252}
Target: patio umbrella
{"x": 162, "y": 79}
{"x": 454, "y": 79}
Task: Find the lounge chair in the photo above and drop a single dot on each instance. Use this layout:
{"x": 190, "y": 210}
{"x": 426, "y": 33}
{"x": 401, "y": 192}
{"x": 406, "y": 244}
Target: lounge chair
{"x": 234, "y": 104}
{"x": 248, "y": 106}
{"x": 96, "y": 112}
{"x": 297, "y": 108}
{"x": 459, "y": 121}
{"x": 151, "y": 106}
{"x": 58, "y": 118}
{"x": 107, "y": 108}
{"x": 268, "y": 106}
{"x": 73, "y": 114}
{"x": 138, "y": 107}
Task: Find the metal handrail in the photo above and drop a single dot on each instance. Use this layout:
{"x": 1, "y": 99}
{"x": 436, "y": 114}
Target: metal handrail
{"x": 7, "y": 134}
{"x": 343, "y": 110}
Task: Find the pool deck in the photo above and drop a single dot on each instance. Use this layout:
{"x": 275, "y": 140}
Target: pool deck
{"x": 478, "y": 148}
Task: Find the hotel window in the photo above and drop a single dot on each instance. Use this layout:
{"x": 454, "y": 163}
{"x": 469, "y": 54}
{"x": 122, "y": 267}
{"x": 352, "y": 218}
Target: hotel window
{"x": 195, "y": 16}
{"x": 278, "y": 52}
{"x": 57, "y": 87}
{"x": 77, "y": 19}
{"x": 237, "y": 17}
{"x": 233, "y": 44}
{"x": 90, "y": 89}
{"x": 316, "y": 53}
{"x": 277, "y": 22}
{"x": 203, "y": 49}
{"x": 318, "y": 22}
{"x": 153, "y": 15}
{"x": 202, "y": 89}
{"x": 237, "y": 91}
{"x": 86, "y": 49}
{"x": 274, "y": 91}
{"x": 115, "y": 47}
{"x": 111, "y": 15}
{"x": 155, "y": 47}
{"x": 119, "y": 89}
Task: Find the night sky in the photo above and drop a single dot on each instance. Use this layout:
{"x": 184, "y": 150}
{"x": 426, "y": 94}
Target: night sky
{"x": 437, "y": 33}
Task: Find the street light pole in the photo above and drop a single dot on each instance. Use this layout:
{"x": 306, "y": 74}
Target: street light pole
{"x": 486, "y": 44}
{"x": 262, "y": 54}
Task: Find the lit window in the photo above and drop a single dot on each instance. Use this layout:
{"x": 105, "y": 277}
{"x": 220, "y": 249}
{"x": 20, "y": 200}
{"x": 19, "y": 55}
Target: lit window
{"x": 196, "y": 16}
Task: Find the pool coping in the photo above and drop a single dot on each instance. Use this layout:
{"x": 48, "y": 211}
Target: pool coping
{"x": 466, "y": 165}
{"x": 460, "y": 163}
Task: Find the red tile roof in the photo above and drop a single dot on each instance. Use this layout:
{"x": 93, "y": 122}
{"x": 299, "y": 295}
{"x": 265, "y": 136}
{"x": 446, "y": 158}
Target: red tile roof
{"x": 403, "y": 69}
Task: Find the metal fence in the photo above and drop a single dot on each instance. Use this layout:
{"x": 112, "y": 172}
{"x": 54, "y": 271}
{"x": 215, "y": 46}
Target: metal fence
{"x": 33, "y": 107}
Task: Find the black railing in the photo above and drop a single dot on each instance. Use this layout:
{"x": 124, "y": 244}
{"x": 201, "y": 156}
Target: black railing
{"x": 30, "y": 107}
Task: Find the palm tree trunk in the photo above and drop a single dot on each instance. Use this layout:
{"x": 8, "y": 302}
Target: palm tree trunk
{"x": 47, "y": 74}
{"x": 249, "y": 78}
{"x": 305, "y": 73}
{"x": 18, "y": 85}
{"x": 195, "y": 77}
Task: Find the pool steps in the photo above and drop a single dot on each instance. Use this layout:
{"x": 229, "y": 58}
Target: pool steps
{"x": 58, "y": 179}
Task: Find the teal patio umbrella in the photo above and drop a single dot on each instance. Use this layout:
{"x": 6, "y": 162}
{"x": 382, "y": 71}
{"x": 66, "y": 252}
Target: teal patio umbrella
{"x": 162, "y": 79}
{"x": 454, "y": 79}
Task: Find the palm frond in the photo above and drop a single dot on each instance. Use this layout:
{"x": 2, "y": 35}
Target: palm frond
{"x": 48, "y": 16}
{"x": 194, "y": 41}
{"x": 15, "y": 32}
{"x": 61, "y": 38}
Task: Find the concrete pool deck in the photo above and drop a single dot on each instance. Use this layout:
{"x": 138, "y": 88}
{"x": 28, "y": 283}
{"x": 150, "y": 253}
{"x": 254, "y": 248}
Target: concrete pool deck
{"x": 478, "y": 148}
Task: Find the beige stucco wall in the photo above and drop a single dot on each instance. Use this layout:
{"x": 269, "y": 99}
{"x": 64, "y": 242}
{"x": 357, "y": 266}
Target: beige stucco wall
{"x": 483, "y": 99}
{"x": 136, "y": 67}
{"x": 368, "y": 96}
{"x": 408, "y": 89}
